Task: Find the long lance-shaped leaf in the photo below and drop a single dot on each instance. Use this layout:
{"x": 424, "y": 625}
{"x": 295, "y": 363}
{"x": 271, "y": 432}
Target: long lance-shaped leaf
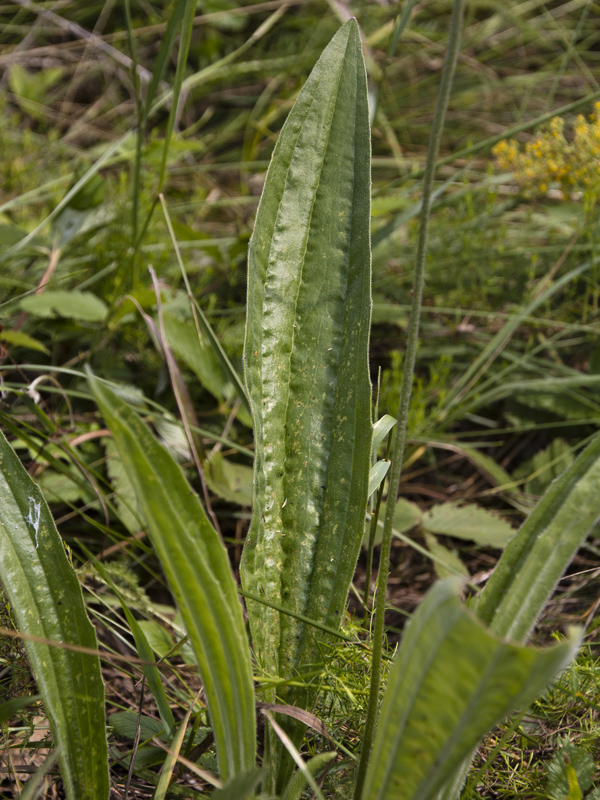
{"x": 537, "y": 556}
{"x": 306, "y": 359}
{"x": 451, "y": 682}
{"x": 47, "y": 602}
{"x": 197, "y": 569}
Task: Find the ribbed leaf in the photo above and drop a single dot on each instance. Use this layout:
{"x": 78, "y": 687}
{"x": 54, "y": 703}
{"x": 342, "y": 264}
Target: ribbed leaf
{"x": 198, "y": 571}
{"x": 47, "y": 602}
{"x": 450, "y": 683}
{"x": 306, "y": 357}
{"x": 537, "y": 556}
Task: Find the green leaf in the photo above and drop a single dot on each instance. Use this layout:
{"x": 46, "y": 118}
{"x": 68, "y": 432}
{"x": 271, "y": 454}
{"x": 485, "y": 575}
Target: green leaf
{"x": 12, "y": 707}
{"x": 31, "y": 88}
{"x": 232, "y": 482}
{"x": 35, "y": 785}
{"x": 492, "y": 471}
{"x": 157, "y": 636}
{"x": 306, "y": 358}
{"x": 571, "y": 770}
{"x": 20, "y": 339}
{"x": 298, "y": 782}
{"x": 240, "y": 787}
{"x": 47, "y": 602}
{"x": 165, "y": 51}
{"x": 61, "y": 488}
{"x": 381, "y": 429}
{"x": 125, "y": 500}
{"x": 447, "y": 562}
{"x": 545, "y": 466}
{"x": 537, "y": 556}
{"x": 450, "y": 683}
{"x": 166, "y": 772}
{"x": 377, "y": 475}
{"x": 196, "y": 565}
{"x": 124, "y": 723}
{"x": 406, "y": 515}
{"x": 144, "y": 651}
{"x": 83, "y": 306}
{"x": 198, "y": 354}
{"x": 468, "y": 522}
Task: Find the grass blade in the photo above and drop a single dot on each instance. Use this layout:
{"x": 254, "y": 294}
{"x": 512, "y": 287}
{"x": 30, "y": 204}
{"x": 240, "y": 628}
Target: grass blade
{"x": 33, "y": 787}
{"x": 166, "y": 46}
{"x": 47, "y": 602}
{"x": 144, "y": 652}
{"x": 171, "y": 759}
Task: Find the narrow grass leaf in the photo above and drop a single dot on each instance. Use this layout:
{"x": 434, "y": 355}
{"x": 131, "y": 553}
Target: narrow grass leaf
{"x": 203, "y": 329}
{"x": 493, "y": 349}
{"x": 187, "y": 26}
{"x": 171, "y": 759}
{"x": 451, "y": 682}
{"x": 35, "y": 785}
{"x": 12, "y": 707}
{"x": 166, "y": 47}
{"x": 198, "y": 355}
{"x": 197, "y": 569}
{"x": 290, "y": 747}
{"x": 540, "y": 552}
{"x": 144, "y": 652}
{"x": 298, "y": 782}
{"x": 47, "y": 602}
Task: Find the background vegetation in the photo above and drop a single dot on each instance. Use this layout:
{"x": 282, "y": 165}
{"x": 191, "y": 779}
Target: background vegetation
{"x": 495, "y": 417}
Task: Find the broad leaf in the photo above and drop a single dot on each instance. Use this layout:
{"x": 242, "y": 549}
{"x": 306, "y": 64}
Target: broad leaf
{"x": 46, "y": 600}
{"x": 232, "y": 482}
{"x": 468, "y": 522}
{"x": 196, "y": 565}
{"x": 540, "y": 552}
{"x": 306, "y": 358}
{"x": 125, "y": 724}
{"x": 20, "y": 339}
{"x": 451, "y": 682}
{"x": 447, "y": 562}
{"x": 83, "y": 306}
{"x": 198, "y": 355}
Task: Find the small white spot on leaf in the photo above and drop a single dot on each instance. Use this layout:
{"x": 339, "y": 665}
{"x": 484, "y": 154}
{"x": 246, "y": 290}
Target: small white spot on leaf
{"x": 33, "y": 517}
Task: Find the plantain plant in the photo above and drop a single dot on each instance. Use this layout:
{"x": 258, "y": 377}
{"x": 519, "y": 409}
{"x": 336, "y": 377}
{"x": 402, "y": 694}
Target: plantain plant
{"x": 456, "y": 674}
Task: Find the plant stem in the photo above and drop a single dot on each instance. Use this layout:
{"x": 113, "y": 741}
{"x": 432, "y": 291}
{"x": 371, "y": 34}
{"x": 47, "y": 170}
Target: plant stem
{"x": 140, "y": 135}
{"x": 407, "y": 380}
